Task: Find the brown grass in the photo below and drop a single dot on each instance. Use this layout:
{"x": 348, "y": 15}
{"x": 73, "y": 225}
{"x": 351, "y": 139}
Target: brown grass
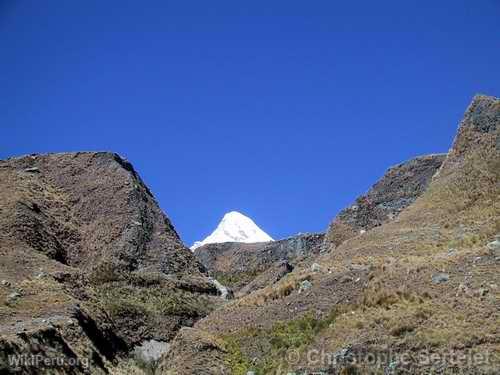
{"x": 282, "y": 289}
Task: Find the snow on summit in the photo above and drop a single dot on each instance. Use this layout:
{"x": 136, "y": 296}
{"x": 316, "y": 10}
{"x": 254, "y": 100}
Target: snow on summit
{"x": 235, "y": 227}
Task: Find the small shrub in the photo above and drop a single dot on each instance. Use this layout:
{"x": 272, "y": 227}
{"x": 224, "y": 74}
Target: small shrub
{"x": 106, "y": 272}
{"x": 294, "y": 334}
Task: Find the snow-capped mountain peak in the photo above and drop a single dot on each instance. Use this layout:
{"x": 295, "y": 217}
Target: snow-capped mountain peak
{"x": 235, "y": 227}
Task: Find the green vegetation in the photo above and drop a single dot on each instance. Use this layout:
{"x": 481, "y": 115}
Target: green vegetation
{"x": 131, "y": 367}
{"x": 123, "y": 300}
{"x": 296, "y": 334}
{"x": 236, "y": 279}
{"x": 236, "y": 360}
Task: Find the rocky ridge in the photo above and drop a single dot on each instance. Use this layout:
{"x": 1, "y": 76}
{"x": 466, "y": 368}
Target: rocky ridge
{"x": 94, "y": 273}
{"x": 237, "y": 264}
{"x": 91, "y": 266}
{"x": 423, "y": 285}
{"x": 400, "y": 186}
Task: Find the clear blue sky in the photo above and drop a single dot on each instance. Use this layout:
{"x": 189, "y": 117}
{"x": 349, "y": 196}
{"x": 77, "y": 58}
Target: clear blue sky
{"x": 283, "y": 110}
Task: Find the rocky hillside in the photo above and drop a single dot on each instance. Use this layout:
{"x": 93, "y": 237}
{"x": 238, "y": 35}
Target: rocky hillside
{"x": 95, "y": 280}
{"x": 397, "y": 189}
{"x": 237, "y": 264}
{"x": 90, "y": 266}
{"x": 418, "y": 294}
{"x": 248, "y": 267}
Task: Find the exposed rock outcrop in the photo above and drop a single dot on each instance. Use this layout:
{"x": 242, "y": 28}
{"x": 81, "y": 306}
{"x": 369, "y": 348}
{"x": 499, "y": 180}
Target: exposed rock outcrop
{"x": 95, "y": 265}
{"x": 91, "y": 269}
{"x": 236, "y": 264}
{"x": 86, "y": 209}
{"x": 397, "y": 189}
{"x": 390, "y": 295}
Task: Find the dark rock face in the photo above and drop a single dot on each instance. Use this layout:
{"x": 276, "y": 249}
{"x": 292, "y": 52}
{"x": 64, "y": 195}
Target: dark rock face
{"x": 94, "y": 263}
{"x": 483, "y": 114}
{"x": 477, "y": 131}
{"x": 397, "y": 189}
{"x": 237, "y": 264}
{"x": 88, "y": 208}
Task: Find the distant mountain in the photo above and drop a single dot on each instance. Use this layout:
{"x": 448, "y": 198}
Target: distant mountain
{"x": 235, "y": 227}
{"x": 395, "y": 267}
{"x": 239, "y": 264}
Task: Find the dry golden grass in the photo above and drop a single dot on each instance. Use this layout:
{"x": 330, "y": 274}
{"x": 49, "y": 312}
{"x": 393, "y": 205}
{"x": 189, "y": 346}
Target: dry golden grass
{"x": 445, "y": 230}
{"x": 38, "y": 298}
{"x": 282, "y": 289}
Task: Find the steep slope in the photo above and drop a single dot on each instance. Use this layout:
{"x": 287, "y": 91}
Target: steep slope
{"x": 417, "y": 294}
{"x": 235, "y": 227}
{"x": 397, "y": 189}
{"x": 101, "y": 205}
{"x": 90, "y": 265}
{"x": 238, "y": 264}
